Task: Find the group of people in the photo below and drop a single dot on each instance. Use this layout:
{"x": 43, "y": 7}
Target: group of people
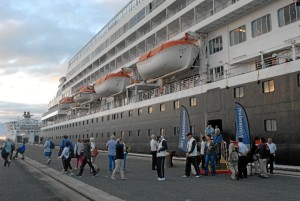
{"x": 85, "y": 151}
{"x": 9, "y": 152}
{"x": 201, "y": 154}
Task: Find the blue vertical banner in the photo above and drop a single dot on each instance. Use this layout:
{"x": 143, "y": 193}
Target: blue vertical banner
{"x": 184, "y": 128}
{"x": 242, "y": 124}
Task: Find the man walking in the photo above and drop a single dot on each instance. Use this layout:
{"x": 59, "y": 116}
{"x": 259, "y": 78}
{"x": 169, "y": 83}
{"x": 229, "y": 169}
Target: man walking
{"x": 191, "y": 156}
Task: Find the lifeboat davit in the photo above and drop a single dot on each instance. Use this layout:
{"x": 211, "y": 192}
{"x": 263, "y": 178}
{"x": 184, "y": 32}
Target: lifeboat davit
{"x": 85, "y": 94}
{"x": 66, "y": 103}
{"x": 167, "y": 59}
{"x": 112, "y": 84}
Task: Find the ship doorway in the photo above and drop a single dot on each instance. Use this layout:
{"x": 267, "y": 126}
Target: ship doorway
{"x": 215, "y": 122}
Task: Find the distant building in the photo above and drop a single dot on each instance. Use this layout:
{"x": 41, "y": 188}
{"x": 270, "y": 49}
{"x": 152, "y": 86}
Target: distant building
{"x": 26, "y": 129}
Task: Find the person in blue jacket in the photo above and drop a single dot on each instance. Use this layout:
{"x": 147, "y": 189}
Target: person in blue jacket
{"x": 20, "y": 150}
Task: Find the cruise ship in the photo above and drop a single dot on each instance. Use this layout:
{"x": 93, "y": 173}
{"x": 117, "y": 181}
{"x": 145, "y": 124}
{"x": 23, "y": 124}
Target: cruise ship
{"x": 153, "y": 56}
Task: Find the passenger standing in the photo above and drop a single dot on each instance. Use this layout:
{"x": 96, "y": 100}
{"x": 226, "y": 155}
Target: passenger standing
{"x": 209, "y": 130}
{"x": 242, "y": 165}
{"x": 94, "y": 157}
{"x": 119, "y": 160}
{"x": 233, "y": 158}
{"x": 153, "y": 147}
{"x": 78, "y": 152}
{"x": 47, "y": 150}
{"x": 191, "y": 156}
{"x": 6, "y": 150}
{"x": 273, "y": 149}
{"x": 161, "y": 156}
{"x": 254, "y": 154}
{"x": 126, "y": 150}
{"x": 111, "y": 147}
{"x": 202, "y": 152}
{"x": 86, "y": 159}
{"x": 264, "y": 153}
{"x": 218, "y": 139}
{"x": 210, "y": 155}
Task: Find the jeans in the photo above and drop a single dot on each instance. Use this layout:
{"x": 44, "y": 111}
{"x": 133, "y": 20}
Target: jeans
{"x": 111, "y": 163}
{"x": 210, "y": 158}
{"x": 161, "y": 166}
{"x": 124, "y": 161}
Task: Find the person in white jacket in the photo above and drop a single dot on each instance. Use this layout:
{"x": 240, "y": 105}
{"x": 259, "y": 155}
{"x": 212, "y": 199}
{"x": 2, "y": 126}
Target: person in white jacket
{"x": 66, "y": 159}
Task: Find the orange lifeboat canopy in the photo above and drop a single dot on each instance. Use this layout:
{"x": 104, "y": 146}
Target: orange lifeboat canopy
{"x": 86, "y": 89}
{"x": 67, "y": 100}
{"x": 111, "y": 75}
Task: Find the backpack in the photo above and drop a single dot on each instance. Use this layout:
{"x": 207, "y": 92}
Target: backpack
{"x": 52, "y": 145}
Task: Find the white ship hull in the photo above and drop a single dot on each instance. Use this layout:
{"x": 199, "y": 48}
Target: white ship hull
{"x": 168, "y": 62}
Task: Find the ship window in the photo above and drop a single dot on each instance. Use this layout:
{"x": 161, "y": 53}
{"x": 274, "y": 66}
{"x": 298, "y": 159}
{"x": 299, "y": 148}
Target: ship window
{"x": 92, "y": 121}
{"x": 288, "y": 14}
{"x": 140, "y": 110}
{"x": 139, "y": 133}
{"x": 87, "y": 122}
{"x": 176, "y": 104}
{"x": 130, "y": 113}
{"x": 163, "y": 131}
{"x": 101, "y": 135}
{"x": 270, "y": 125}
{"x": 215, "y": 45}
{"x": 162, "y": 107}
{"x": 298, "y": 76}
{"x": 238, "y": 92}
{"x": 238, "y": 35}
{"x": 96, "y": 135}
{"x": 83, "y": 136}
{"x": 102, "y": 119}
{"x": 261, "y": 26}
{"x": 150, "y": 110}
{"x": 87, "y": 135}
{"x": 97, "y": 120}
{"x": 107, "y": 135}
{"x": 150, "y": 132}
{"x": 176, "y": 130}
{"x": 129, "y": 133}
{"x": 108, "y": 117}
{"x": 83, "y": 123}
{"x": 268, "y": 86}
{"x": 193, "y": 101}
{"x": 122, "y": 134}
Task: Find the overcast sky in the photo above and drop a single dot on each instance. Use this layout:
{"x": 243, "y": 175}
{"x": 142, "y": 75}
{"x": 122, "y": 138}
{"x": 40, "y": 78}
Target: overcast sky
{"x": 37, "y": 39}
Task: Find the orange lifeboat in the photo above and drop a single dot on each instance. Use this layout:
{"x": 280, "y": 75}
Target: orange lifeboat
{"x": 167, "y": 59}
{"x": 112, "y": 84}
{"x": 66, "y": 103}
{"x": 85, "y": 94}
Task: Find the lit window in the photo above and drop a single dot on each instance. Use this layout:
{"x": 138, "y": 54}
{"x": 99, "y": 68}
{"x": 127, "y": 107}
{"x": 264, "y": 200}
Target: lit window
{"x": 193, "y": 101}
{"x": 238, "y": 35}
{"x": 162, "y": 107}
{"x": 176, "y": 104}
{"x": 150, "y": 109}
{"x": 130, "y": 113}
{"x": 140, "y": 111}
{"x": 238, "y": 92}
{"x": 268, "y": 86}
{"x": 122, "y": 134}
{"x": 270, "y": 125}
{"x": 163, "y": 131}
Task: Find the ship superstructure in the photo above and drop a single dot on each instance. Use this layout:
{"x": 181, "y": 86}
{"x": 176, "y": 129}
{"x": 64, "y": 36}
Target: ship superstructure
{"x": 244, "y": 51}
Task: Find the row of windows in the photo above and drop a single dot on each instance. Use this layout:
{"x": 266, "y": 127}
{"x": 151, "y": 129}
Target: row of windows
{"x": 267, "y": 87}
{"x": 269, "y": 124}
{"x": 260, "y": 26}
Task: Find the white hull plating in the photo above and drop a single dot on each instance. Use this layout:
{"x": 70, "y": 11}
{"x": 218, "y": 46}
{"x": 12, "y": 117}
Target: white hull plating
{"x": 112, "y": 86}
{"x": 168, "y": 62}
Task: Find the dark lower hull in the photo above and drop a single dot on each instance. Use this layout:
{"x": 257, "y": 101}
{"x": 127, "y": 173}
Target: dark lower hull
{"x": 216, "y": 106}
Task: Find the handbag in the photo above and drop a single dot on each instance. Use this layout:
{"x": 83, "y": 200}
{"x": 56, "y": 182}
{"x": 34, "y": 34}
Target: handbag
{"x": 94, "y": 152}
{"x": 3, "y": 152}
